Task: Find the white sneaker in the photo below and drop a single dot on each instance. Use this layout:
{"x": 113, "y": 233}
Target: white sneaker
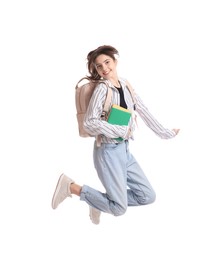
{"x": 94, "y": 215}
{"x": 62, "y": 190}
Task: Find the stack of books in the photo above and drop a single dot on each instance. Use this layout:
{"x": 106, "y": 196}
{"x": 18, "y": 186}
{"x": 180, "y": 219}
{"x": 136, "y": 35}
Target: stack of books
{"x": 119, "y": 116}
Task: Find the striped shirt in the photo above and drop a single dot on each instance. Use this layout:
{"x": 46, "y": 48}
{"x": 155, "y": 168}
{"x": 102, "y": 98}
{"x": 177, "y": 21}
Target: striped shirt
{"x": 94, "y": 125}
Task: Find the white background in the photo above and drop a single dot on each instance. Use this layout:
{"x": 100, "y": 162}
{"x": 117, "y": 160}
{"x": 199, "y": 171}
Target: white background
{"x": 168, "y": 53}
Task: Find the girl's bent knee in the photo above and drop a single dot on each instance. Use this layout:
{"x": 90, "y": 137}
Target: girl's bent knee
{"x": 119, "y": 212}
{"x": 151, "y": 198}
{"x": 148, "y": 199}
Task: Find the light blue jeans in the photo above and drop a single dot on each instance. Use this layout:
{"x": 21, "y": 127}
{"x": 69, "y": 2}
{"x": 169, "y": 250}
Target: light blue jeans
{"x": 123, "y": 179}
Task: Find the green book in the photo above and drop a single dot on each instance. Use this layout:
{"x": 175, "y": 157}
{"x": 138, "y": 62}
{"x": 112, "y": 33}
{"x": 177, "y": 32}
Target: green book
{"x": 119, "y": 116}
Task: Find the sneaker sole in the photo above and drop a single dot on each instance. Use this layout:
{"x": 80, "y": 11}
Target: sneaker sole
{"x": 95, "y": 217}
{"x": 57, "y": 190}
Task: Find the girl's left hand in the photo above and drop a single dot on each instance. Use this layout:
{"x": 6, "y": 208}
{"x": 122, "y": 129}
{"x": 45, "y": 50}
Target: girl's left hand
{"x": 176, "y": 130}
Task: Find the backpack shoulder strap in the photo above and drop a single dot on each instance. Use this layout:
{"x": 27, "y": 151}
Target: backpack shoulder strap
{"x": 130, "y": 88}
{"x": 106, "y": 108}
{"x": 133, "y": 97}
{"x": 108, "y": 100}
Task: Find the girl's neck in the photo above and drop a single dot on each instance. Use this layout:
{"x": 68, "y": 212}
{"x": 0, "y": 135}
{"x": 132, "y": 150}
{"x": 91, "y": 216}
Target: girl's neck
{"x": 115, "y": 82}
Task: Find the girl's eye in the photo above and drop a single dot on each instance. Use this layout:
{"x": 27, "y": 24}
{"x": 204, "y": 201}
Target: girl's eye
{"x": 98, "y": 66}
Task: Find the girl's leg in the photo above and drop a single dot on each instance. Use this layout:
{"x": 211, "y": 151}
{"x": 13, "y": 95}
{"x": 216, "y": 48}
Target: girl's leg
{"x": 110, "y": 161}
{"x": 140, "y": 191}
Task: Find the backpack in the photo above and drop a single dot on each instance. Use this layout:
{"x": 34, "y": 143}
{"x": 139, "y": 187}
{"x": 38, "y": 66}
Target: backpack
{"x": 83, "y": 93}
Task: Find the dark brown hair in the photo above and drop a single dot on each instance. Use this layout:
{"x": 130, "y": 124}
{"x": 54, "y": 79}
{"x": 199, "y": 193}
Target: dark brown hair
{"x": 91, "y": 57}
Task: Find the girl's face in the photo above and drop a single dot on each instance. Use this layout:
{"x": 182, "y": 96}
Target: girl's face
{"x": 106, "y": 66}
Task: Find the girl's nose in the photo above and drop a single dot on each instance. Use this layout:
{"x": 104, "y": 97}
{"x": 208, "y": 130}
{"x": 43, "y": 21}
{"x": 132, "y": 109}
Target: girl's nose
{"x": 104, "y": 67}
